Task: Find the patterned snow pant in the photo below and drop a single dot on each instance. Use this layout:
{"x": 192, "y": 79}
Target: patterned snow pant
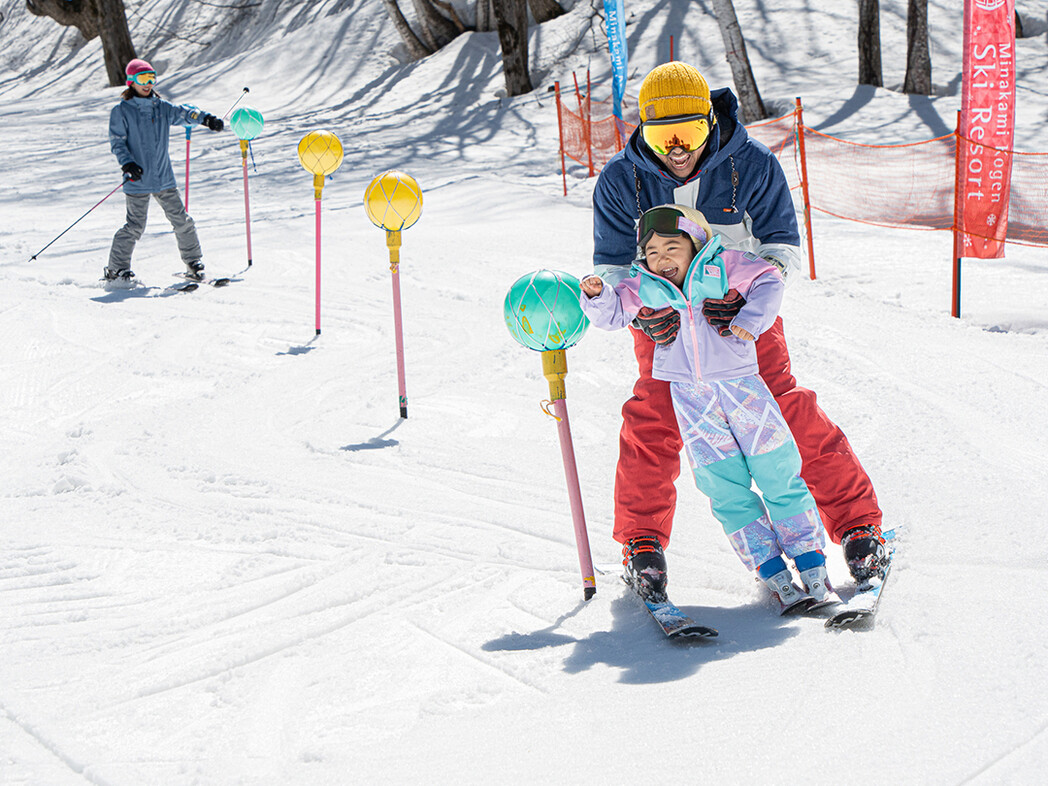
{"x": 134, "y": 225}
{"x": 650, "y": 444}
{"x": 733, "y": 433}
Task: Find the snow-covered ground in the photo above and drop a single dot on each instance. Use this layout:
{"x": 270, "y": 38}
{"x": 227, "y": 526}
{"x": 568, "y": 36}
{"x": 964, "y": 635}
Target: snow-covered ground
{"x": 225, "y": 559}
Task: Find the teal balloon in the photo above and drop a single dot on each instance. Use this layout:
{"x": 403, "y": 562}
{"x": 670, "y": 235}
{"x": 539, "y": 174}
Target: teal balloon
{"x": 543, "y": 313}
{"x": 247, "y": 123}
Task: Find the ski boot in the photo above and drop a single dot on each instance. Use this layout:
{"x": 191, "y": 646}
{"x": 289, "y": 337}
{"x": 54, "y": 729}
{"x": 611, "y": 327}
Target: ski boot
{"x": 817, "y": 582}
{"x": 644, "y": 566}
{"x": 118, "y": 279}
{"x": 195, "y": 270}
{"x": 865, "y": 553}
{"x": 790, "y": 598}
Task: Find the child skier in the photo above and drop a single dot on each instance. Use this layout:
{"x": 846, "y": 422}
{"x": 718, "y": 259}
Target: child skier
{"x": 138, "y": 136}
{"x": 732, "y": 428}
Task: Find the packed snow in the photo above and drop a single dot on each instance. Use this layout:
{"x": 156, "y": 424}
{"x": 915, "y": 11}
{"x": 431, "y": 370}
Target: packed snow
{"x": 225, "y": 558}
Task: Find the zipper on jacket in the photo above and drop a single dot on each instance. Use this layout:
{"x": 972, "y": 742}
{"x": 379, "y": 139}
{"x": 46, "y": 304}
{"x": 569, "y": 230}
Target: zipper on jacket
{"x": 694, "y": 342}
{"x": 691, "y": 313}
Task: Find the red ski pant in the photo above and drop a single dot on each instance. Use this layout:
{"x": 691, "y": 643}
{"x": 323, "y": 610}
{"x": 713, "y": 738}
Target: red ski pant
{"x": 650, "y": 446}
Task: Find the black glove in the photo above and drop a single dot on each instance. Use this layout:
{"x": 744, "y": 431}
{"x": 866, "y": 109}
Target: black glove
{"x": 720, "y": 313}
{"x": 661, "y": 326}
{"x": 214, "y": 123}
{"x": 132, "y": 171}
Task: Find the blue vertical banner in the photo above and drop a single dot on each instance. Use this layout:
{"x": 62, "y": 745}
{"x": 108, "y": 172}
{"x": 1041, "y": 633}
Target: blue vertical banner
{"x": 615, "y": 21}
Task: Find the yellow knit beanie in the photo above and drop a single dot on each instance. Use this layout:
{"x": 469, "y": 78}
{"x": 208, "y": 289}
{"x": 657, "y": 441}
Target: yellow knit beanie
{"x": 673, "y": 89}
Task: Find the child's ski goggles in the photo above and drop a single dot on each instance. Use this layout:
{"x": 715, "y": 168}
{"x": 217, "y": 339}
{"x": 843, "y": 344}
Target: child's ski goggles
{"x": 143, "y": 78}
{"x": 689, "y": 132}
{"x": 666, "y": 222}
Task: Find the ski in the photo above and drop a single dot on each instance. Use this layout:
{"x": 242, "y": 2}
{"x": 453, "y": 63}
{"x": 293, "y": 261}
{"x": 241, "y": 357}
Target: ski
{"x": 192, "y": 285}
{"x": 674, "y": 622}
{"x": 859, "y": 611}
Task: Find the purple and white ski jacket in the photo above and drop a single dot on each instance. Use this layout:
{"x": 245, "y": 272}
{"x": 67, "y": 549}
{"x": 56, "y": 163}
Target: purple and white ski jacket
{"x": 699, "y": 351}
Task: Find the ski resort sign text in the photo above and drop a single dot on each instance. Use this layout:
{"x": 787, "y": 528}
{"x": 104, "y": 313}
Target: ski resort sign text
{"x": 987, "y": 127}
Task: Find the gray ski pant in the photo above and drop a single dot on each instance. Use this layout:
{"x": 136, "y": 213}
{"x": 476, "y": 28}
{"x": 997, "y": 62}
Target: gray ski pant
{"x": 137, "y": 210}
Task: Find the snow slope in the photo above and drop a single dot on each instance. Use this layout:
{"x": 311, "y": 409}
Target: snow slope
{"x": 225, "y": 559}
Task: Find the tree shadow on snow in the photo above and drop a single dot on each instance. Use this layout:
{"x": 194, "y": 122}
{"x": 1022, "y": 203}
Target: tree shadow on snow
{"x": 639, "y": 650}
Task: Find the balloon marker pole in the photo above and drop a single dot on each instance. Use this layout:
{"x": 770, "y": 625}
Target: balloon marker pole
{"x": 320, "y": 152}
{"x": 393, "y": 243}
{"x": 318, "y": 186}
{"x": 554, "y": 369}
{"x": 247, "y": 203}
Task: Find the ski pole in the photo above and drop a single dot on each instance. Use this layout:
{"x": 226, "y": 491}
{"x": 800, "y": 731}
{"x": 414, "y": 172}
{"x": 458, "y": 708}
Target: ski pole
{"x": 242, "y": 94}
{"x": 99, "y": 202}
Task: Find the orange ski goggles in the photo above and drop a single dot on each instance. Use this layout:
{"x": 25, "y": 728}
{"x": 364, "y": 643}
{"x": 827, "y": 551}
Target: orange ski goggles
{"x": 143, "y": 78}
{"x": 690, "y": 132}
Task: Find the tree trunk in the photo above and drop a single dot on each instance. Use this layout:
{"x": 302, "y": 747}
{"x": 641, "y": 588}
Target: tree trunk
{"x": 452, "y": 14}
{"x": 544, "y": 10}
{"x": 485, "y": 16}
{"x": 435, "y": 28}
{"x": 512, "y": 19}
{"x": 870, "y": 43}
{"x": 735, "y": 51}
{"x": 416, "y": 48}
{"x": 918, "y": 60}
{"x": 106, "y": 19}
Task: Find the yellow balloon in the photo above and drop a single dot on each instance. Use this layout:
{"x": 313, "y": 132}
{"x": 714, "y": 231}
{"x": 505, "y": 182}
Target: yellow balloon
{"x": 320, "y": 152}
{"x": 393, "y": 201}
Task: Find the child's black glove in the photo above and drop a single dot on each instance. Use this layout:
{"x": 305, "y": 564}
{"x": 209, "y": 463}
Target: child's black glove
{"x": 661, "y": 326}
{"x": 720, "y": 313}
{"x": 132, "y": 171}
{"x": 214, "y": 123}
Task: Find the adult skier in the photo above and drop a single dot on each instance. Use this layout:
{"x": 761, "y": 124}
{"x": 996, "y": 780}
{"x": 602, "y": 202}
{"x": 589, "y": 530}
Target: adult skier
{"x": 139, "y": 129}
{"x": 691, "y": 149}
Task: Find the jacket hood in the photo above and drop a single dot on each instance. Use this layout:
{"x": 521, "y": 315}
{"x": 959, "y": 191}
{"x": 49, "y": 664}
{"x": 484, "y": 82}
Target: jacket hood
{"x": 706, "y": 277}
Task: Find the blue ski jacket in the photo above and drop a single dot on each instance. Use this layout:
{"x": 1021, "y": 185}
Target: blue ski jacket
{"x": 139, "y": 131}
{"x": 738, "y": 186}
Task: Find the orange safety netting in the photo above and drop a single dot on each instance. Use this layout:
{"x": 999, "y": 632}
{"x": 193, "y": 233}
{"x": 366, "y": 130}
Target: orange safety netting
{"x": 592, "y": 134}
{"x": 911, "y": 185}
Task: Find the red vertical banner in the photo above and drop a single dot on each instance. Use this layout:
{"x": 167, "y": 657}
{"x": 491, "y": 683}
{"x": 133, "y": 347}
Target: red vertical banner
{"x": 987, "y": 126}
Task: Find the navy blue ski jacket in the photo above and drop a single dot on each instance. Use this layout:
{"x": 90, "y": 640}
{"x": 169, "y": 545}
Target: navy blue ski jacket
{"x": 738, "y": 186}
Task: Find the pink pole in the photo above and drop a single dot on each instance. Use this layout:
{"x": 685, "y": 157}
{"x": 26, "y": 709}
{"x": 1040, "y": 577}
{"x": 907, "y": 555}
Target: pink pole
{"x": 187, "y": 170}
{"x": 399, "y": 330}
{"x": 247, "y": 202}
{"x": 318, "y": 267}
{"x": 567, "y": 451}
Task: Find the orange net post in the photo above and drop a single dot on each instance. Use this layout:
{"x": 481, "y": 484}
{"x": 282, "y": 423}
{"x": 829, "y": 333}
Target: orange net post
{"x": 804, "y": 190}
{"x": 955, "y": 283}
